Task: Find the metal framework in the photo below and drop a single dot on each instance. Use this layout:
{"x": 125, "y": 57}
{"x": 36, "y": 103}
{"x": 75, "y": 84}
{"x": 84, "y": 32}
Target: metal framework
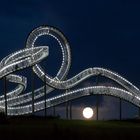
{"x": 14, "y": 102}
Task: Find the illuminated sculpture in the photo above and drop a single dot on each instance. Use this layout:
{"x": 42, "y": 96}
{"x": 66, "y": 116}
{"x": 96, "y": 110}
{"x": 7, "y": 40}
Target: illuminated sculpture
{"x": 31, "y": 56}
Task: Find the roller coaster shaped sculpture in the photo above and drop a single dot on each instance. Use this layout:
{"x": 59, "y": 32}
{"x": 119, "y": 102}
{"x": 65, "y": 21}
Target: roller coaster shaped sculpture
{"x": 20, "y": 104}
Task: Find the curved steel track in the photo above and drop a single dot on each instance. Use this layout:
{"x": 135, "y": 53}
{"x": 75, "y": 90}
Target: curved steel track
{"x": 31, "y": 56}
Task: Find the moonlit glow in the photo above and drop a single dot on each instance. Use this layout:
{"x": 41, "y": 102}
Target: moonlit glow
{"x": 88, "y": 112}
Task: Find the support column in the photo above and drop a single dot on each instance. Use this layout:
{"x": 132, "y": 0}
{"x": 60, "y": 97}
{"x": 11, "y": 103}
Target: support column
{"x": 32, "y": 78}
{"x": 5, "y": 96}
{"x": 70, "y": 104}
{"x": 53, "y": 111}
{"x": 67, "y": 109}
{"x": 97, "y": 100}
{"x": 120, "y": 109}
{"x": 97, "y": 107}
{"x": 139, "y": 112}
{"x": 45, "y": 96}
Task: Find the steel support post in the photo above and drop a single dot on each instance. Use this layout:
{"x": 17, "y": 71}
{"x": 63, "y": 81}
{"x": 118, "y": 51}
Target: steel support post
{"x": 45, "y": 96}
{"x": 53, "y": 111}
{"x": 139, "y": 112}
{"x": 67, "y": 110}
{"x": 97, "y": 107}
{"x": 32, "y": 81}
{"x": 120, "y": 105}
{"x": 97, "y": 100}
{"x": 5, "y": 96}
{"x": 70, "y": 105}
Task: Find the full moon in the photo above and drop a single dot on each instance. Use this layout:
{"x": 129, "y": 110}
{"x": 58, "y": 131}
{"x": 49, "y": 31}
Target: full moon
{"x": 88, "y": 112}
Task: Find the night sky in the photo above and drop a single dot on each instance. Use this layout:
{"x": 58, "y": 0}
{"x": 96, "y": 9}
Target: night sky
{"x": 101, "y": 33}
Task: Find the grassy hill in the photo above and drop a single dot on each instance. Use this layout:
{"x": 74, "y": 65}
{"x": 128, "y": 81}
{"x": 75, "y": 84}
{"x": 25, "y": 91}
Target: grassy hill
{"x": 47, "y": 129}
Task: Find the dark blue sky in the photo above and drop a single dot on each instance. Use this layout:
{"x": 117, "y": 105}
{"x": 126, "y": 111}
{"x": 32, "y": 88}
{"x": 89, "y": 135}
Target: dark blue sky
{"x": 103, "y": 33}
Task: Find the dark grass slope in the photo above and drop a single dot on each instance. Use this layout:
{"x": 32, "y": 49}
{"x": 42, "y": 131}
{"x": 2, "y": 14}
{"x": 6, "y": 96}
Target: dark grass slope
{"x": 47, "y": 129}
